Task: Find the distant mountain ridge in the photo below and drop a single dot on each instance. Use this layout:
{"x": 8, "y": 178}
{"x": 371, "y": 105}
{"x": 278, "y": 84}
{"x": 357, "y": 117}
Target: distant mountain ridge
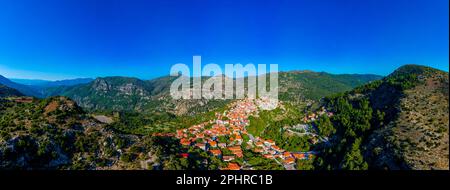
{"x": 45, "y": 84}
{"x": 7, "y": 91}
{"x": 125, "y": 93}
{"x": 39, "y": 88}
{"x": 315, "y": 85}
{"x": 24, "y": 89}
{"x": 29, "y": 81}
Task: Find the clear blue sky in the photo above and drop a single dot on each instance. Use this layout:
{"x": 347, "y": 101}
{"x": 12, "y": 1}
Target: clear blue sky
{"x": 56, "y": 39}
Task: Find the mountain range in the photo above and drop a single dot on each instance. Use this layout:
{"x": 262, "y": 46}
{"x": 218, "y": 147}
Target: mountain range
{"x": 133, "y": 94}
{"x": 39, "y": 88}
{"x": 47, "y": 83}
{"x": 395, "y": 122}
{"x": 24, "y": 89}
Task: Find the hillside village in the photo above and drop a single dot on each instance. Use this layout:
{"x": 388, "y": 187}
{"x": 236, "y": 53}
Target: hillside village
{"x": 227, "y": 132}
{"x": 244, "y": 135}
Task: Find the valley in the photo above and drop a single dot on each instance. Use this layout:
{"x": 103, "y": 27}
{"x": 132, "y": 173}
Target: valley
{"x": 322, "y": 122}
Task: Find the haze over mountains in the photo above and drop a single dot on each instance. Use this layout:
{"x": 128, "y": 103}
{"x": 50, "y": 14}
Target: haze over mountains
{"x": 46, "y": 83}
{"x": 24, "y": 89}
{"x": 38, "y": 88}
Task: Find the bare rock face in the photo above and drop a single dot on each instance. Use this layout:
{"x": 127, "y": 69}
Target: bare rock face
{"x": 101, "y": 85}
{"x": 127, "y": 89}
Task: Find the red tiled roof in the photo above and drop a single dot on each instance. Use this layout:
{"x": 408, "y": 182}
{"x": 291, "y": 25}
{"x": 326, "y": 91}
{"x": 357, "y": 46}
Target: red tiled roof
{"x": 185, "y": 142}
{"x": 215, "y": 152}
{"x": 234, "y": 166}
{"x": 235, "y": 148}
{"x": 287, "y": 154}
{"x": 268, "y": 156}
{"x": 289, "y": 160}
{"x": 299, "y": 155}
{"x": 276, "y": 147}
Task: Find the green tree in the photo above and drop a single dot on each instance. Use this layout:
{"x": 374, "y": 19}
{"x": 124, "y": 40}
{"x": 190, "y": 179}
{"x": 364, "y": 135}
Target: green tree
{"x": 325, "y": 126}
{"x": 306, "y": 164}
{"x": 353, "y": 159}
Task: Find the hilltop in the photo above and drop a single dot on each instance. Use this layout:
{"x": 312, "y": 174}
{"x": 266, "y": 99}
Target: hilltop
{"x": 399, "y": 122}
{"x": 417, "y": 135}
{"x": 41, "y": 133}
{"x": 55, "y": 133}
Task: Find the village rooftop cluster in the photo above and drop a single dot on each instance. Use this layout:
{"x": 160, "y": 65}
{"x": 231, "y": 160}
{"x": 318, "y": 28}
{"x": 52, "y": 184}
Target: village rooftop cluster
{"x": 226, "y": 131}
